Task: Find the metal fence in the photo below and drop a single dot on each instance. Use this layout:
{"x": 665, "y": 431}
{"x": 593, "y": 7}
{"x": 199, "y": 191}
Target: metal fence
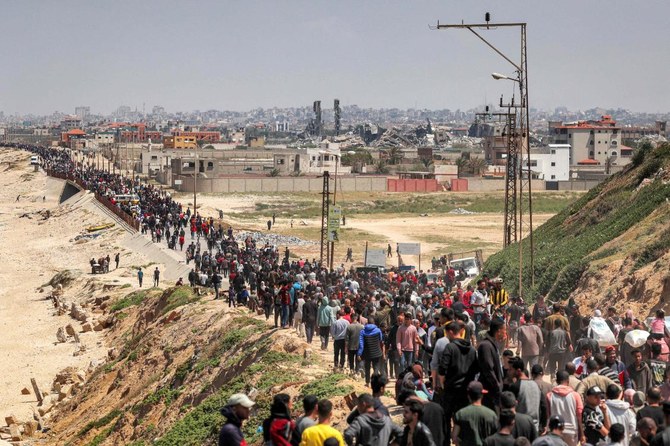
{"x": 128, "y": 219}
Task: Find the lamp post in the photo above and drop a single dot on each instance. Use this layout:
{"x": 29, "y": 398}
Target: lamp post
{"x": 525, "y": 197}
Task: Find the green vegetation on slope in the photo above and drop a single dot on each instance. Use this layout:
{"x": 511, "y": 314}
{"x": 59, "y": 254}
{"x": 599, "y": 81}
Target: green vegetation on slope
{"x": 566, "y": 244}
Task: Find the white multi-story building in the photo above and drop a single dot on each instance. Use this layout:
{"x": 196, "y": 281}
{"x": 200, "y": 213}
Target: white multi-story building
{"x": 592, "y": 142}
{"x": 551, "y": 163}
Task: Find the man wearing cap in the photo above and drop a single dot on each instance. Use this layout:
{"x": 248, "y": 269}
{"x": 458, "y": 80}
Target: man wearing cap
{"x": 490, "y": 369}
{"x": 236, "y": 411}
{"x": 556, "y": 427}
{"x": 595, "y": 417}
{"x": 474, "y": 423}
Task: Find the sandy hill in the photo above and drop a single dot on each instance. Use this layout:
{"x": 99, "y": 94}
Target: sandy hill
{"x": 609, "y": 248}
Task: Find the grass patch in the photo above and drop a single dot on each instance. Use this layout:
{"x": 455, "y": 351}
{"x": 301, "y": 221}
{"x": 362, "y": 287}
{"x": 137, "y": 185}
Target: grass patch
{"x": 129, "y": 300}
{"x": 102, "y": 436}
{"x": 104, "y": 421}
{"x": 327, "y": 387}
{"x": 654, "y": 250}
{"x": 179, "y": 297}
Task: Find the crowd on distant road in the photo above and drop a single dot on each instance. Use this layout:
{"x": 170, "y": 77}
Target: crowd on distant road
{"x": 472, "y": 365}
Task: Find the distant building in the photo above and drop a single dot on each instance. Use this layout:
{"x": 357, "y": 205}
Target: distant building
{"x": 70, "y": 122}
{"x": 551, "y": 163}
{"x": 199, "y": 136}
{"x": 591, "y": 142}
{"x": 82, "y": 112}
{"x": 180, "y": 142}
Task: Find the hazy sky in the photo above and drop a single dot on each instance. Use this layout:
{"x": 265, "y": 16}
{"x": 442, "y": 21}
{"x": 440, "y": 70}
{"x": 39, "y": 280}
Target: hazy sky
{"x": 242, "y": 54}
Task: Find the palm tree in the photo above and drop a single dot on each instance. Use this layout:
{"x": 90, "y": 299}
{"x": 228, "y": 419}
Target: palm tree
{"x": 381, "y": 167}
{"x": 395, "y": 155}
{"x": 427, "y": 163}
{"x": 477, "y": 165}
{"x": 461, "y": 164}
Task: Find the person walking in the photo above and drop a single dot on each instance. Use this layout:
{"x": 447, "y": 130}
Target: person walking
{"x": 457, "y": 367}
{"x": 529, "y": 337}
{"x": 309, "y": 315}
{"x": 157, "y": 276}
{"x": 325, "y": 320}
{"x": 474, "y": 423}
{"x": 490, "y": 369}
{"x": 371, "y": 348}
{"x": 236, "y": 410}
{"x": 352, "y": 341}
{"x": 566, "y": 403}
{"x": 117, "y": 258}
{"x": 407, "y": 342}
{"x": 339, "y": 332}
{"x": 318, "y": 434}
{"x": 216, "y": 282}
{"x": 140, "y": 276}
{"x": 297, "y": 316}
{"x": 371, "y": 427}
{"x": 416, "y": 433}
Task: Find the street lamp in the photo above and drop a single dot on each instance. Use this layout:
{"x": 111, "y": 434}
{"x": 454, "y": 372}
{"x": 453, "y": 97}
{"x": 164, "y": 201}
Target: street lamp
{"x": 498, "y": 76}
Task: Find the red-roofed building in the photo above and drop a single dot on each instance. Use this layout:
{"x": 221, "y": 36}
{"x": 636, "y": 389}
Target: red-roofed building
{"x": 591, "y": 140}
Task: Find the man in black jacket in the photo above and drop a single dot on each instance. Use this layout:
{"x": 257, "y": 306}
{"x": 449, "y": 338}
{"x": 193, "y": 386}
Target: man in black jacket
{"x": 490, "y": 369}
{"x": 457, "y": 367}
{"x": 309, "y": 311}
{"x": 416, "y": 433}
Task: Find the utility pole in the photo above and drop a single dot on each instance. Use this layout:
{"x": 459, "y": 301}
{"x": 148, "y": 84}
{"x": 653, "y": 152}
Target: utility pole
{"x": 195, "y": 182}
{"x": 325, "y": 210}
{"x": 518, "y": 203}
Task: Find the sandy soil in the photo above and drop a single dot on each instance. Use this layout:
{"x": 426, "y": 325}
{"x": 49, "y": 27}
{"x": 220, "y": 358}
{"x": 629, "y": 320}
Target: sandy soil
{"x": 33, "y": 250}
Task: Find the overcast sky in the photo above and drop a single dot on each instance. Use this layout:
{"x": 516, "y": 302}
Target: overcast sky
{"x": 243, "y": 54}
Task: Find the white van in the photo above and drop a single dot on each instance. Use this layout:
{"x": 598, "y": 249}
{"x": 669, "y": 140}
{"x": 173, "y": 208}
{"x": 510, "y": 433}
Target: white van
{"x": 34, "y": 160}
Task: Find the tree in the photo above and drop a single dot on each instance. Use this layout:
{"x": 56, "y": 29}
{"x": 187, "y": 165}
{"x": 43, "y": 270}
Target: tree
{"x": 477, "y": 165}
{"x": 395, "y": 155}
{"x": 381, "y": 167}
{"x": 273, "y": 173}
{"x": 427, "y": 163}
{"x": 461, "y": 164}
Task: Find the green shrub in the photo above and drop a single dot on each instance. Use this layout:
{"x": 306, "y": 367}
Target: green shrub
{"x": 130, "y": 300}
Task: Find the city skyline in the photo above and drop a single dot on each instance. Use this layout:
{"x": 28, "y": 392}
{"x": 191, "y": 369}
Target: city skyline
{"x": 239, "y": 56}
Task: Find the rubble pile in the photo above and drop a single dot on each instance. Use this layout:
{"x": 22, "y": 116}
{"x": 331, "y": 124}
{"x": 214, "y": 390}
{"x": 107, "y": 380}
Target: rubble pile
{"x": 274, "y": 239}
{"x": 461, "y": 211}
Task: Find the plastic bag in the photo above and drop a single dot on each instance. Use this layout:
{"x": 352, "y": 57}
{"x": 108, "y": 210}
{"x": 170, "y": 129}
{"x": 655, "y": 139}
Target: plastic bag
{"x": 600, "y": 331}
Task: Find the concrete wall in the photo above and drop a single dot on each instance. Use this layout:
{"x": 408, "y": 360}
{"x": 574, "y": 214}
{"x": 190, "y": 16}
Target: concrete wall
{"x": 282, "y": 184}
{"x": 482, "y": 185}
{"x": 578, "y": 184}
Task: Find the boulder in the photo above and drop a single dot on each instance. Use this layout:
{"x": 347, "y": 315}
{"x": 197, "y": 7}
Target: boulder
{"x": 25, "y": 391}
{"x": 64, "y": 392}
{"x": 61, "y": 335}
{"x": 86, "y": 327}
{"x": 112, "y": 353}
{"x": 69, "y": 329}
{"x": 15, "y": 432}
{"x": 11, "y": 419}
{"x": 30, "y": 428}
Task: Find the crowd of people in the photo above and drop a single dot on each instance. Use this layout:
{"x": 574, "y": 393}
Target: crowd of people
{"x": 468, "y": 362}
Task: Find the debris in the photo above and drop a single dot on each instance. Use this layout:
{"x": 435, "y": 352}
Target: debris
{"x": 25, "y": 391}
{"x": 461, "y": 211}
{"x": 36, "y": 389}
{"x": 263, "y": 239}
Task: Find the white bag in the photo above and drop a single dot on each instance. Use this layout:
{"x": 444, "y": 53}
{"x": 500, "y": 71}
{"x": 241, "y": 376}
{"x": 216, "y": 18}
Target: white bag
{"x": 636, "y": 338}
{"x": 600, "y": 331}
